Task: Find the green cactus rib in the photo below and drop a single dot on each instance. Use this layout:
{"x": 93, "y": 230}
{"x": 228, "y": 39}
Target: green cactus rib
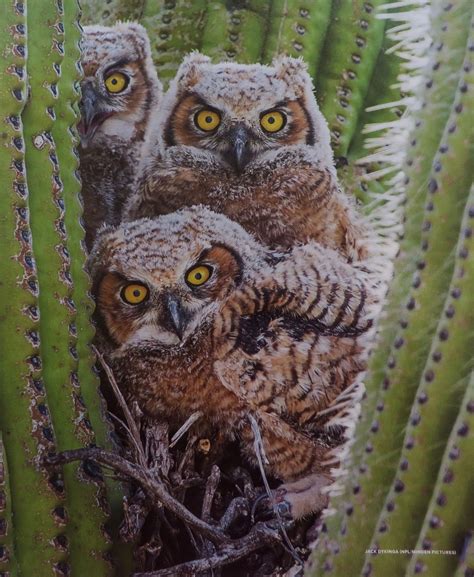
{"x": 382, "y": 90}
{"x": 66, "y": 137}
{"x": 406, "y": 262}
{"x": 175, "y": 28}
{"x": 297, "y": 29}
{"x": 24, "y": 418}
{"x": 8, "y": 565}
{"x": 450, "y": 30}
{"x": 449, "y": 182}
{"x": 107, "y": 13}
{"x": 235, "y": 33}
{"x": 87, "y": 541}
{"x": 448, "y": 522}
{"x": 438, "y": 397}
{"x": 347, "y": 62}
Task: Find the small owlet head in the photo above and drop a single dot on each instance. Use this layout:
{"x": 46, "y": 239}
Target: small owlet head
{"x": 239, "y": 111}
{"x": 160, "y": 282}
{"x": 120, "y": 85}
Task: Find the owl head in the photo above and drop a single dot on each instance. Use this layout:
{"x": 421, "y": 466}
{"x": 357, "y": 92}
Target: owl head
{"x": 120, "y": 85}
{"x": 239, "y": 111}
{"x": 160, "y": 282}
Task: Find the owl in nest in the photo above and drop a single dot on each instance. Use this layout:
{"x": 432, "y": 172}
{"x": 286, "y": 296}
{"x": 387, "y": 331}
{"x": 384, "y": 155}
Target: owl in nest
{"x": 120, "y": 89}
{"x": 249, "y": 141}
{"x": 197, "y": 316}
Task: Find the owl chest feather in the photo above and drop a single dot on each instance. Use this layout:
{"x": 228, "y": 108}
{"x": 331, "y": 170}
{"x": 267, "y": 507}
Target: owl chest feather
{"x": 176, "y": 385}
{"x": 280, "y": 205}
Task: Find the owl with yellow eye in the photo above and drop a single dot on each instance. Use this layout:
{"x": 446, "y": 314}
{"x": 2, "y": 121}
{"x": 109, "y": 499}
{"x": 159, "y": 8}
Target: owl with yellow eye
{"x": 250, "y": 141}
{"x": 120, "y": 89}
{"x": 195, "y": 315}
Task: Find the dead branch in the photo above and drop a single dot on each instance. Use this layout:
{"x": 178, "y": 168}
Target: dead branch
{"x": 260, "y": 536}
{"x": 132, "y": 428}
{"x": 211, "y": 487}
{"x": 150, "y": 484}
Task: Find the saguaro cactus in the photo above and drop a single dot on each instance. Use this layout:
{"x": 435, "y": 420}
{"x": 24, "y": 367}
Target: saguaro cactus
{"x": 54, "y": 520}
{"x": 409, "y": 478}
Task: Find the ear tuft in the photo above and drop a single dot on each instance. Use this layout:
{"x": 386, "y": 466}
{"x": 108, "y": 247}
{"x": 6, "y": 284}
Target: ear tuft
{"x": 188, "y": 72}
{"x": 294, "y": 71}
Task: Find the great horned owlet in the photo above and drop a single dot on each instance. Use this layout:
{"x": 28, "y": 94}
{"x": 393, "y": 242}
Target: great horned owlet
{"x": 194, "y": 314}
{"x": 249, "y": 141}
{"x": 120, "y": 89}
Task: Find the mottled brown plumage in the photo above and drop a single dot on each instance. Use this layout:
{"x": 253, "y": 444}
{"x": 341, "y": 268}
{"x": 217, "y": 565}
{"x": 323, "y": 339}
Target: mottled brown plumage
{"x": 281, "y": 185}
{"x": 281, "y": 338}
{"x": 119, "y": 90}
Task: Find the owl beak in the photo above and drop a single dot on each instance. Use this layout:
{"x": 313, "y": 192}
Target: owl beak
{"x": 92, "y": 115}
{"x": 238, "y": 139}
{"x": 176, "y": 318}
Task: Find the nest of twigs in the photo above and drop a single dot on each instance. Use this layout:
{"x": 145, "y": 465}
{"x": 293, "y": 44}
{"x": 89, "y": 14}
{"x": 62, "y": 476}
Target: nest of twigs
{"x": 194, "y": 508}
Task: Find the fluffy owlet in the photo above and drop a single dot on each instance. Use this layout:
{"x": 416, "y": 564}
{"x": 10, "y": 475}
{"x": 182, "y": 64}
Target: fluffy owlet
{"x": 194, "y": 315}
{"x": 119, "y": 90}
{"x": 249, "y": 141}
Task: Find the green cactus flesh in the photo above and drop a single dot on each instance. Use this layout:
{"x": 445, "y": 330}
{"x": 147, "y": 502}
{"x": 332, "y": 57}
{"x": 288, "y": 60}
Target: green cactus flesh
{"x": 24, "y": 418}
{"x": 448, "y": 522}
{"x": 8, "y": 563}
{"x": 348, "y": 59}
{"x": 175, "y": 28}
{"x": 432, "y": 416}
{"x": 65, "y": 136}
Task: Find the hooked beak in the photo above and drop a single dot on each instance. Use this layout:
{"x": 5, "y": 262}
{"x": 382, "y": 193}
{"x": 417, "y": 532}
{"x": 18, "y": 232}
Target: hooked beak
{"x": 238, "y": 153}
{"x": 176, "y": 318}
{"x": 91, "y": 114}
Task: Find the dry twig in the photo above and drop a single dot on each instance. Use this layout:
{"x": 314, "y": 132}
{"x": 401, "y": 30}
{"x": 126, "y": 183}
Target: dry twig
{"x": 150, "y": 484}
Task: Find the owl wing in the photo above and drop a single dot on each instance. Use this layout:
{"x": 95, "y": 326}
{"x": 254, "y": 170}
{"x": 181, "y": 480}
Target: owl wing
{"x": 315, "y": 283}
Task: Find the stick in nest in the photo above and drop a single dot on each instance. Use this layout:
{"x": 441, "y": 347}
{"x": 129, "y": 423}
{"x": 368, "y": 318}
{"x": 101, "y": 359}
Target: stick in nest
{"x": 262, "y": 458}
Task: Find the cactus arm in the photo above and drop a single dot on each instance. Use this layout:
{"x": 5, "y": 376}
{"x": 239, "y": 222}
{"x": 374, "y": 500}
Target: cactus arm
{"x": 438, "y": 397}
{"x": 8, "y": 563}
{"x": 297, "y": 30}
{"x": 88, "y": 544}
{"x": 383, "y": 94}
{"x": 235, "y": 33}
{"x": 174, "y": 28}
{"x": 383, "y": 436}
{"x": 448, "y": 521}
{"x": 348, "y": 58}
{"x": 450, "y": 29}
{"x": 383, "y": 106}
{"x": 66, "y": 137}
{"x": 24, "y": 419}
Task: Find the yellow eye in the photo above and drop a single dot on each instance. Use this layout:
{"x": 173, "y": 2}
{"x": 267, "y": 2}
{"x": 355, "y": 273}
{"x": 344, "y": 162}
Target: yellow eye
{"x": 198, "y": 275}
{"x": 207, "y": 120}
{"x": 116, "y": 82}
{"x": 273, "y": 121}
{"x": 134, "y": 293}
